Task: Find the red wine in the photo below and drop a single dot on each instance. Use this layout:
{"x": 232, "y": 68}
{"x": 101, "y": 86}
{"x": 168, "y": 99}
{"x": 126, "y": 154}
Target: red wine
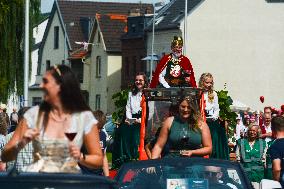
{"x": 70, "y": 136}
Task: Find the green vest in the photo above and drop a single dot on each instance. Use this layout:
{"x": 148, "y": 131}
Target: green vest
{"x": 251, "y": 159}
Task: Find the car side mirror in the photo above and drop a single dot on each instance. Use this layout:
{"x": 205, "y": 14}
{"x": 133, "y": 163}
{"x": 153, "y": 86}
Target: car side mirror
{"x": 269, "y": 184}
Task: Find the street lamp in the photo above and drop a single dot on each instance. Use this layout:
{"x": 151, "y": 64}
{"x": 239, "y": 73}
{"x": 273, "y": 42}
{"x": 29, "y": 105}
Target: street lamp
{"x": 65, "y": 40}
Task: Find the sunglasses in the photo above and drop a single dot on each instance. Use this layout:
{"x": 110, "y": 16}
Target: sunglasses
{"x": 210, "y": 174}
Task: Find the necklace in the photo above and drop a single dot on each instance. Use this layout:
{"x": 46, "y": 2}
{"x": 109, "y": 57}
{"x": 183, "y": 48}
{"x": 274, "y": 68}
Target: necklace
{"x": 57, "y": 118}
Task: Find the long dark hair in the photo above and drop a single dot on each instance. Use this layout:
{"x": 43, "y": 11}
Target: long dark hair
{"x": 134, "y": 89}
{"x": 195, "y": 115}
{"x": 70, "y": 93}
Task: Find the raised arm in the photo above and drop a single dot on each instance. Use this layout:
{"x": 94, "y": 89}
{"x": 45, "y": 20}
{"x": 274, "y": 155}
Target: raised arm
{"x": 22, "y": 136}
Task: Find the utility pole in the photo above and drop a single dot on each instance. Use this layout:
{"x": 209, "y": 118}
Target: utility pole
{"x": 153, "y": 40}
{"x": 26, "y": 53}
{"x": 185, "y": 28}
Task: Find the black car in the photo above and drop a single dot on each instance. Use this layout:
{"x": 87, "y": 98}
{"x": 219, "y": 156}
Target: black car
{"x": 55, "y": 181}
{"x": 183, "y": 173}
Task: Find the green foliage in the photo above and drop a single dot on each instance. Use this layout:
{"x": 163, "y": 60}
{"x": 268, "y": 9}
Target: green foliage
{"x": 120, "y": 101}
{"x": 225, "y": 112}
{"x": 11, "y": 44}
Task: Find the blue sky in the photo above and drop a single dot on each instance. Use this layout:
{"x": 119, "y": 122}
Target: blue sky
{"x": 46, "y": 5}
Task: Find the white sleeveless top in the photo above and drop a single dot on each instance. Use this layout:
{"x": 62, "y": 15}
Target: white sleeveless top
{"x": 54, "y": 153}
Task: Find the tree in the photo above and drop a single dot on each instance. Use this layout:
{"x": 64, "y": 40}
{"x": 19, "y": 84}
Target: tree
{"x": 11, "y": 44}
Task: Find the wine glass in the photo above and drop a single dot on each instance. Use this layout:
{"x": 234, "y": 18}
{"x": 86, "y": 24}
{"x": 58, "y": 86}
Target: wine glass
{"x": 184, "y": 137}
{"x": 70, "y": 132}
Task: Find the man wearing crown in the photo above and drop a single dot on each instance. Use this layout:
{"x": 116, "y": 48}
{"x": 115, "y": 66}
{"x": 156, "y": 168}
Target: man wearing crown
{"x": 174, "y": 69}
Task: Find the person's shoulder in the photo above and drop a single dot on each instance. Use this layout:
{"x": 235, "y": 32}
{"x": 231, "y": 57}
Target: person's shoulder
{"x": 168, "y": 121}
{"x": 184, "y": 57}
{"x": 32, "y": 111}
{"x": 86, "y": 113}
{"x": 278, "y": 143}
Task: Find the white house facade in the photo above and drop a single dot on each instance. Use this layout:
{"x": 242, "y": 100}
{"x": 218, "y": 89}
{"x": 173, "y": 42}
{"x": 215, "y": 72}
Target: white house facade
{"x": 240, "y": 43}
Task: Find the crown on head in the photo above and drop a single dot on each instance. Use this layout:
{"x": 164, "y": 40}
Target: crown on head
{"x": 177, "y": 41}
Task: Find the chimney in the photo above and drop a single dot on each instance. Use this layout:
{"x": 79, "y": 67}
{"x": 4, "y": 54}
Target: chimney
{"x": 134, "y": 12}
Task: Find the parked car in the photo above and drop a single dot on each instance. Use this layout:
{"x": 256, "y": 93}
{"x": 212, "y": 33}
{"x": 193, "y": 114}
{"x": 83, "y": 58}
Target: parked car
{"x": 55, "y": 181}
{"x": 109, "y": 127}
{"x": 183, "y": 173}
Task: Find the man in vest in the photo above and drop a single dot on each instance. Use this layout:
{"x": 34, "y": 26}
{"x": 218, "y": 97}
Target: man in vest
{"x": 174, "y": 69}
{"x": 251, "y": 152}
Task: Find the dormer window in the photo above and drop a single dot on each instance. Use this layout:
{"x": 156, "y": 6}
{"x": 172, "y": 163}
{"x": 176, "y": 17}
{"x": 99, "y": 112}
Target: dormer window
{"x": 56, "y": 37}
{"x": 99, "y": 38}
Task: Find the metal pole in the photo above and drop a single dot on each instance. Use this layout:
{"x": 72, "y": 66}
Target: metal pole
{"x": 65, "y": 41}
{"x": 185, "y": 28}
{"x": 152, "y": 46}
{"x": 26, "y": 53}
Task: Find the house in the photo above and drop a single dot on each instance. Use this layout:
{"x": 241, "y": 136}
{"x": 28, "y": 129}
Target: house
{"x": 134, "y": 48}
{"x": 97, "y": 65}
{"x": 239, "y": 42}
{"x": 38, "y": 32}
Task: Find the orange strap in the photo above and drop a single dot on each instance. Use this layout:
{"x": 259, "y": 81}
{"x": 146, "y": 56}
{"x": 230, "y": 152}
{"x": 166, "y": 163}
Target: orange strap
{"x": 202, "y": 107}
{"x": 142, "y": 153}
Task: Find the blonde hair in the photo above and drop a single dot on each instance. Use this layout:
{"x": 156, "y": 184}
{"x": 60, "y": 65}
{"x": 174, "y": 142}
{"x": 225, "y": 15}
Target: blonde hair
{"x": 201, "y": 85}
{"x": 254, "y": 124}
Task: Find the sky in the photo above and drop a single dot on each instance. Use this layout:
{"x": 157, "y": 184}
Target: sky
{"x": 46, "y": 5}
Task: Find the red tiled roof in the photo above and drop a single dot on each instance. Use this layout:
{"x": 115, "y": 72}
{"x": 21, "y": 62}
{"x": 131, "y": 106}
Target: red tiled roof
{"x": 72, "y": 11}
{"x": 112, "y": 26}
{"x": 78, "y": 54}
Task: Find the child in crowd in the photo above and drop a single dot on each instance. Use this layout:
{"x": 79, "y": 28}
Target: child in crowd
{"x": 100, "y": 116}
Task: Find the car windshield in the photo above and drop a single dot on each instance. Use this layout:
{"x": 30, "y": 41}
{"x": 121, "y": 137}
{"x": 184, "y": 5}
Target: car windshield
{"x": 180, "y": 173}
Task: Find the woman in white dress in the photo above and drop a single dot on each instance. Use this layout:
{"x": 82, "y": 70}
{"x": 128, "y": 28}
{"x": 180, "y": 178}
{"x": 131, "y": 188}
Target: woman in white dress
{"x": 63, "y": 115}
{"x": 217, "y": 128}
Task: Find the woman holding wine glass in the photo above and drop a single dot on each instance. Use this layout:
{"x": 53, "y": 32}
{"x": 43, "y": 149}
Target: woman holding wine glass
{"x": 58, "y": 127}
{"x": 186, "y": 133}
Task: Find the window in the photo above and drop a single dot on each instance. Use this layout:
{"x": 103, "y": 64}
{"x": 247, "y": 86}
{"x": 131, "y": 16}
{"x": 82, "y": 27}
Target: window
{"x": 99, "y": 37}
{"x": 78, "y": 69}
{"x": 133, "y": 28}
{"x": 98, "y": 102}
{"x": 56, "y": 37}
{"x": 98, "y": 67}
{"x": 36, "y": 101}
{"x": 47, "y": 66}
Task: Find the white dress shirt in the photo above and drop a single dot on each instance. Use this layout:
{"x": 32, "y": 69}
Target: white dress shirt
{"x": 212, "y": 108}
{"x": 133, "y": 105}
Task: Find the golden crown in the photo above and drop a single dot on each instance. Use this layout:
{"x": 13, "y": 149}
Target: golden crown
{"x": 177, "y": 41}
